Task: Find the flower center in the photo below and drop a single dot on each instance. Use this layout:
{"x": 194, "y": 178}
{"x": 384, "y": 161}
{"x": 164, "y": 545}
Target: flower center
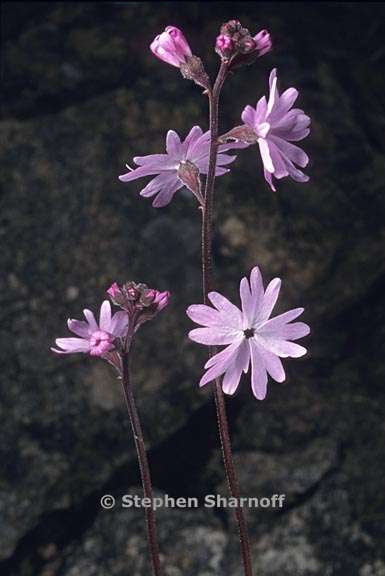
{"x": 249, "y": 332}
{"x": 100, "y": 342}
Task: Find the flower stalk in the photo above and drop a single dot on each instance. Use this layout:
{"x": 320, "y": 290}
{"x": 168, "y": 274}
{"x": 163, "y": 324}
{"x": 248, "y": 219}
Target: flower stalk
{"x": 207, "y": 230}
{"x": 142, "y": 457}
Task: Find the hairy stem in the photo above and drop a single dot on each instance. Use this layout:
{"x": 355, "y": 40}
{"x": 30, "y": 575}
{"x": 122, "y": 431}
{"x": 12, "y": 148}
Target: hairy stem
{"x": 143, "y": 464}
{"x": 207, "y": 230}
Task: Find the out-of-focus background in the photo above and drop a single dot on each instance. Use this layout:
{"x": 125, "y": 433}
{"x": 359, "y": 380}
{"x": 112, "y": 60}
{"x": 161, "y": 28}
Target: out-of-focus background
{"x": 83, "y": 95}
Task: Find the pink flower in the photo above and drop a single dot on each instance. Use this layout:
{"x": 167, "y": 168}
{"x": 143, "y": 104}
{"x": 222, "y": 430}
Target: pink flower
{"x": 248, "y": 334}
{"x": 171, "y": 46}
{"x": 274, "y": 125}
{"x": 94, "y": 339}
{"x": 169, "y": 168}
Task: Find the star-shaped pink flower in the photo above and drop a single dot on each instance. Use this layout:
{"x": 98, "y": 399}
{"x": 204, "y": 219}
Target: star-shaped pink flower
{"x": 93, "y": 338}
{"x": 274, "y": 124}
{"x": 249, "y": 334}
{"x": 169, "y": 169}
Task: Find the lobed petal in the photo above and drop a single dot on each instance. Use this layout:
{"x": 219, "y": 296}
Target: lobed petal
{"x": 258, "y": 372}
{"x": 91, "y": 320}
{"x": 119, "y": 324}
{"x": 105, "y": 316}
{"x": 79, "y": 327}
{"x": 71, "y": 345}
{"x": 204, "y": 315}
{"x": 231, "y": 315}
{"x": 233, "y": 372}
{"x": 213, "y": 336}
{"x": 269, "y": 299}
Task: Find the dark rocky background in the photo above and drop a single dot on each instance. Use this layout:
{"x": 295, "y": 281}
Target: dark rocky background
{"x": 83, "y": 94}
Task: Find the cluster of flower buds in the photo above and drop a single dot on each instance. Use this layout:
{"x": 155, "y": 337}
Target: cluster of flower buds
{"x": 172, "y": 47}
{"x": 140, "y": 302}
{"x": 236, "y": 45}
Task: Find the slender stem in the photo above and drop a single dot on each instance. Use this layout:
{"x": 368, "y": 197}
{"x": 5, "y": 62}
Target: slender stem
{"x": 207, "y": 229}
{"x": 143, "y": 464}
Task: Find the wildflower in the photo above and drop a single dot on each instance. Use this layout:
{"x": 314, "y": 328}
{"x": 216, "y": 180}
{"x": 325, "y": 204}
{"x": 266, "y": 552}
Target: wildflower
{"x": 171, "y": 46}
{"x": 180, "y": 166}
{"x": 248, "y": 334}
{"x": 93, "y": 338}
{"x": 274, "y": 125}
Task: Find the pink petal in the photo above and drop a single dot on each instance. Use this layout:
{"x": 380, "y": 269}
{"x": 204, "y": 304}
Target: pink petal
{"x": 230, "y": 313}
{"x": 119, "y": 324}
{"x": 79, "y": 327}
{"x": 279, "y": 321}
{"x": 278, "y": 160}
{"x": 158, "y": 160}
{"x": 173, "y": 143}
{"x": 256, "y": 284}
{"x": 213, "y": 336}
{"x": 166, "y": 179}
{"x": 269, "y": 179}
{"x": 258, "y": 372}
{"x": 91, "y": 320}
{"x": 269, "y": 299}
{"x": 281, "y": 347}
{"x": 272, "y": 364}
{"x": 248, "y": 116}
{"x": 204, "y": 315}
{"x": 194, "y": 135}
{"x": 227, "y": 354}
{"x": 71, "y": 345}
{"x": 292, "y": 152}
{"x": 287, "y": 332}
{"x": 139, "y": 173}
{"x": 265, "y": 155}
{"x": 260, "y": 111}
{"x": 214, "y": 372}
{"x": 233, "y": 373}
{"x": 166, "y": 194}
{"x": 273, "y": 96}
{"x": 248, "y": 303}
{"x": 105, "y": 316}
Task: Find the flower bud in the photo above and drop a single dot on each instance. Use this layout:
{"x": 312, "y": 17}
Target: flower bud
{"x": 236, "y": 45}
{"x": 171, "y": 46}
{"x": 161, "y": 300}
{"x": 263, "y": 42}
{"x": 113, "y": 290}
{"x": 224, "y": 46}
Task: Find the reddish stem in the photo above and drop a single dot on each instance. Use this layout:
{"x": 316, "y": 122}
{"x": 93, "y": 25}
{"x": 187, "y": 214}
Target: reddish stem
{"x": 207, "y": 230}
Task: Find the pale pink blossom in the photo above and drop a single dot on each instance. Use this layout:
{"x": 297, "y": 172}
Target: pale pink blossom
{"x": 169, "y": 168}
{"x": 249, "y": 334}
{"x": 96, "y": 339}
{"x": 274, "y": 125}
{"x": 171, "y": 46}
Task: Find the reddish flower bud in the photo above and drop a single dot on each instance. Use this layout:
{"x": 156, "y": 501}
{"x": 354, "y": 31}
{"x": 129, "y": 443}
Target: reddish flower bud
{"x": 224, "y": 46}
{"x": 263, "y": 42}
{"x": 171, "y": 46}
{"x": 114, "y": 290}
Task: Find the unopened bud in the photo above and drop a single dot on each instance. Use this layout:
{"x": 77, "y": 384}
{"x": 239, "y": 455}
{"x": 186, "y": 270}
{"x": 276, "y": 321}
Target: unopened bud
{"x": 171, "y": 46}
